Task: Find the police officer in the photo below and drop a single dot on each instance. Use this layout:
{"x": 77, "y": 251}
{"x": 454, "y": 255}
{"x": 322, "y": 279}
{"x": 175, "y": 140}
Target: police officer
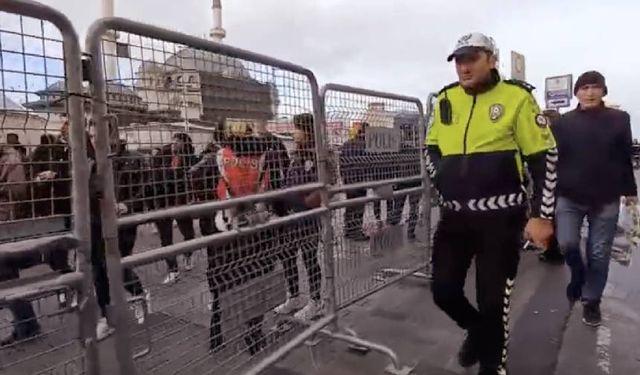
{"x": 483, "y": 128}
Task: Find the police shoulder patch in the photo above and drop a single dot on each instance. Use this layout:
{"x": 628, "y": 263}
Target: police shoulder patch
{"x": 541, "y": 120}
{"x": 522, "y": 84}
{"x": 449, "y": 86}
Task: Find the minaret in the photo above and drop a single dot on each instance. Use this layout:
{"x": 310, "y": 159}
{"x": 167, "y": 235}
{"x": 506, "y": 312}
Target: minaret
{"x": 110, "y": 47}
{"x": 217, "y": 33}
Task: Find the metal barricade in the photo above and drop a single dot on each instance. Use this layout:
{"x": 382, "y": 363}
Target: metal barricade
{"x": 381, "y": 214}
{"x": 368, "y": 256}
{"x": 46, "y": 281}
{"x": 222, "y": 142}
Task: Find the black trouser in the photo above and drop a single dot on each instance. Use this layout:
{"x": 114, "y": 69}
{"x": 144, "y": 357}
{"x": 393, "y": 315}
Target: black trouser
{"x": 165, "y": 229}
{"x": 493, "y": 239}
{"x": 395, "y": 215}
{"x": 223, "y": 273}
{"x": 25, "y": 321}
{"x": 59, "y": 260}
{"x": 302, "y": 236}
{"x": 126, "y": 242}
{"x": 354, "y": 215}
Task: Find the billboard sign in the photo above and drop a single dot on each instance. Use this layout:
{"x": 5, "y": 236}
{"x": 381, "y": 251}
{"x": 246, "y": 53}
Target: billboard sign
{"x": 558, "y": 91}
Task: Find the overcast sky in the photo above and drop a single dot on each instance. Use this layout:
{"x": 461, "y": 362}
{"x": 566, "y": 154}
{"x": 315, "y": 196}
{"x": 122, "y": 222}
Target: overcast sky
{"x": 401, "y": 45}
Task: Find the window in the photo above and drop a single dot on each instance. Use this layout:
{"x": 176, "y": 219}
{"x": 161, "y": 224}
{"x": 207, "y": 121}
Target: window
{"x": 179, "y": 79}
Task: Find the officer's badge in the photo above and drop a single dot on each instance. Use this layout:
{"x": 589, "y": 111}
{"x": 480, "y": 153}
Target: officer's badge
{"x": 495, "y": 112}
{"x": 541, "y": 120}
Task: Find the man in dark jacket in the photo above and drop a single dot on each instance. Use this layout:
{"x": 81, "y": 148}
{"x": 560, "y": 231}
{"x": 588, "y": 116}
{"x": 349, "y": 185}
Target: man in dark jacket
{"x": 594, "y": 171}
{"x": 172, "y": 187}
{"x": 130, "y": 179}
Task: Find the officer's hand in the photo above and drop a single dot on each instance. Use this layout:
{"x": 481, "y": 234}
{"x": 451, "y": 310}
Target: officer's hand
{"x": 539, "y": 231}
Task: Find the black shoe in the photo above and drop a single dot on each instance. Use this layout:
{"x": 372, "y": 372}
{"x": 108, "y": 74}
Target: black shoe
{"x": 574, "y": 294}
{"x": 591, "y": 315}
{"x": 468, "y": 354}
{"x": 411, "y": 236}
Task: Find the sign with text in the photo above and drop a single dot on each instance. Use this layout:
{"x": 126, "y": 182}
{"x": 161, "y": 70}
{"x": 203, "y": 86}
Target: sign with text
{"x": 379, "y": 140}
{"x": 558, "y": 91}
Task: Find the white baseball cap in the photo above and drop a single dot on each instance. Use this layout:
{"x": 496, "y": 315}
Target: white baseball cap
{"x": 471, "y": 43}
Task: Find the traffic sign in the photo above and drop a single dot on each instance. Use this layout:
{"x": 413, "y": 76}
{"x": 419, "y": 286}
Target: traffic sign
{"x": 558, "y": 91}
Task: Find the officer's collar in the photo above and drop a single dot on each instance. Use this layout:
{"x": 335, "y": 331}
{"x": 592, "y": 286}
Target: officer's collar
{"x": 492, "y": 80}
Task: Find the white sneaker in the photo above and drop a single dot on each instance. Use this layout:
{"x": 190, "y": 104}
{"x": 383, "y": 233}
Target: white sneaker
{"x": 103, "y": 330}
{"x": 138, "y": 311}
{"x": 312, "y": 310}
{"x": 291, "y": 304}
{"x": 171, "y": 278}
{"x": 138, "y": 307}
{"x": 188, "y": 262}
{"x": 62, "y": 299}
{"x": 147, "y": 297}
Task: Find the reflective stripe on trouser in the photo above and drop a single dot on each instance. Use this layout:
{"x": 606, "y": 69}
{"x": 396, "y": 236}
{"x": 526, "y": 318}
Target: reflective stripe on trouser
{"x": 492, "y": 203}
{"x": 495, "y": 239}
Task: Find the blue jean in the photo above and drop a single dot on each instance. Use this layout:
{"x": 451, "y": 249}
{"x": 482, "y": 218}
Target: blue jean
{"x": 587, "y": 280}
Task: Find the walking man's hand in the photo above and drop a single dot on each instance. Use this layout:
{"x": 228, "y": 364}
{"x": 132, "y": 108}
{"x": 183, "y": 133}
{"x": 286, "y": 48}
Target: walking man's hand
{"x": 630, "y": 201}
{"x": 539, "y": 231}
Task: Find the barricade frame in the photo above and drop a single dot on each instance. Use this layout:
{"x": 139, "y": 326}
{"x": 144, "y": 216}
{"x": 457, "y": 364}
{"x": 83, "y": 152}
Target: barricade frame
{"x": 82, "y": 279}
{"x": 111, "y": 223}
{"x": 329, "y": 327}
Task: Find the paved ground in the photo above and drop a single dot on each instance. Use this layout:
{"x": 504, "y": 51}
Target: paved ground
{"x": 546, "y": 337}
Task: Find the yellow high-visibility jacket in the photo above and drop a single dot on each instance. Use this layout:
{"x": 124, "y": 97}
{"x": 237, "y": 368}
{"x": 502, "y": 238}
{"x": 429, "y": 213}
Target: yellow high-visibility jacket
{"x": 477, "y": 146}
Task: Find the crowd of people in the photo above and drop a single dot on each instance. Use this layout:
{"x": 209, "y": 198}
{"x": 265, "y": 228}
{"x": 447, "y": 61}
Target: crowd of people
{"x": 232, "y": 165}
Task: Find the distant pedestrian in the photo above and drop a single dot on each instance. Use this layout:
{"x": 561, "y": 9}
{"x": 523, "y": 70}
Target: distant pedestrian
{"x": 594, "y": 171}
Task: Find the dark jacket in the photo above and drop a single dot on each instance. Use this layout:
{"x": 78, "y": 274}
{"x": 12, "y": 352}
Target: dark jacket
{"x": 595, "y": 152}
{"x": 131, "y": 178}
{"x": 171, "y": 182}
{"x": 51, "y": 155}
{"x": 405, "y": 164}
{"x": 303, "y": 170}
{"x": 354, "y": 161}
{"x": 205, "y": 174}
